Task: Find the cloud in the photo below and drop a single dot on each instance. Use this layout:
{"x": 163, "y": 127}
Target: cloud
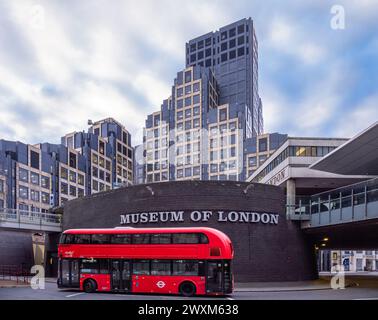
{"x": 62, "y": 64}
{"x": 364, "y": 115}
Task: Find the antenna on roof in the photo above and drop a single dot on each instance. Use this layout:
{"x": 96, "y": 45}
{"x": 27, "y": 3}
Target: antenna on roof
{"x": 90, "y": 122}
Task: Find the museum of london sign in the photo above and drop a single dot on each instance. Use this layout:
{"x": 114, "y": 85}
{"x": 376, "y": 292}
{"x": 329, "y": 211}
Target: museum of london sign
{"x": 199, "y": 216}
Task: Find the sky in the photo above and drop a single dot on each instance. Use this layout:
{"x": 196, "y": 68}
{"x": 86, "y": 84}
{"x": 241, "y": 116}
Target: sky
{"x": 64, "y": 62}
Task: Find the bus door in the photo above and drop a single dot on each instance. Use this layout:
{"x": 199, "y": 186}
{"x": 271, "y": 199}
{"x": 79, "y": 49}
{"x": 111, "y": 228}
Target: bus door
{"x": 120, "y": 275}
{"x": 214, "y": 277}
{"x": 69, "y": 273}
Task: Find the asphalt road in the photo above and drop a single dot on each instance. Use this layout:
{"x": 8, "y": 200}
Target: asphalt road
{"x": 51, "y": 292}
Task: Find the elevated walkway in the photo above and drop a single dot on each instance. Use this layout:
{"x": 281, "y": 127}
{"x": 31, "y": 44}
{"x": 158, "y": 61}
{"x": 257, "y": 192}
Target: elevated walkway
{"x": 29, "y": 220}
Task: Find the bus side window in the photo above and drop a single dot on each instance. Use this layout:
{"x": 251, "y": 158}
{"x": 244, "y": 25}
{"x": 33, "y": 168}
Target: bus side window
{"x": 141, "y": 267}
{"x": 104, "y": 266}
{"x": 141, "y": 239}
{"x": 62, "y": 238}
{"x": 185, "y": 238}
{"x": 83, "y": 238}
{"x": 121, "y": 238}
{"x": 69, "y": 239}
{"x": 100, "y": 239}
{"x": 203, "y": 238}
{"x": 201, "y": 268}
{"x": 185, "y": 267}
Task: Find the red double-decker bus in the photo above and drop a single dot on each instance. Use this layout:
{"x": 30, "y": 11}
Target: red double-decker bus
{"x": 186, "y": 261}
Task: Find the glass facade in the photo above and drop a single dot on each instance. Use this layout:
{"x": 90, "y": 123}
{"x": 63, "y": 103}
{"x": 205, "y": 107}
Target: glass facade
{"x": 294, "y": 151}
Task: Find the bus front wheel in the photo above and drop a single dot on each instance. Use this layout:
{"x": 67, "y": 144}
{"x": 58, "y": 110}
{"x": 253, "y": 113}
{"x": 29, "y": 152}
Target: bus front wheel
{"x": 187, "y": 289}
{"x": 89, "y": 286}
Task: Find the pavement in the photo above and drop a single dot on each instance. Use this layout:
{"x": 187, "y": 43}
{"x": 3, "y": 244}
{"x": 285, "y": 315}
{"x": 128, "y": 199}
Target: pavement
{"x": 358, "y": 287}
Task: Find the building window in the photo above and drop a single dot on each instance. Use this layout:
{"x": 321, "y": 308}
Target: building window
{"x": 63, "y": 173}
{"x": 45, "y": 197}
{"x": 188, "y": 101}
{"x": 188, "y": 172}
{"x": 23, "y": 192}
{"x": 45, "y": 182}
{"x": 72, "y": 176}
{"x": 1, "y": 186}
{"x": 232, "y": 152}
{"x": 179, "y": 92}
{"x": 102, "y": 162}
{"x": 95, "y": 185}
{"x": 64, "y": 188}
{"x": 188, "y": 89}
{"x": 241, "y": 52}
{"x": 1, "y": 204}
{"x": 252, "y": 162}
{"x": 72, "y": 160}
{"x": 188, "y": 76}
{"x": 263, "y": 145}
{"x": 23, "y": 207}
{"x": 72, "y": 191}
{"x": 34, "y": 195}
{"x": 34, "y": 178}
{"x": 23, "y": 175}
{"x": 262, "y": 159}
{"x": 95, "y": 172}
{"x": 240, "y": 40}
{"x": 101, "y": 148}
{"x": 224, "y": 57}
{"x": 80, "y": 179}
{"x": 222, "y": 114}
{"x": 180, "y": 103}
{"x": 241, "y": 28}
{"x": 34, "y": 159}
{"x": 188, "y": 125}
{"x": 196, "y": 99}
{"x": 180, "y": 173}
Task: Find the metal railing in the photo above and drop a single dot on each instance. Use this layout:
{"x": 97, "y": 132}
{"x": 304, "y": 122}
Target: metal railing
{"x": 19, "y": 274}
{"x": 30, "y": 218}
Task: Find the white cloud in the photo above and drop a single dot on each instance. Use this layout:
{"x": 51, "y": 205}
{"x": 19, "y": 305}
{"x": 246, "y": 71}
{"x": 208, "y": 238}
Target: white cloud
{"x": 362, "y": 116}
{"x": 286, "y": 36}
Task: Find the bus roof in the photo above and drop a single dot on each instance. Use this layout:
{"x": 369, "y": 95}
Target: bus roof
{"x": 130, "y": 230}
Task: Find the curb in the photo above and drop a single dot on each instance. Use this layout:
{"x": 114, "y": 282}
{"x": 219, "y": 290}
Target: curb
{"x": 280, "y": 290}
{"x": 14, "y": 286}
{"x": 349, "y": 285}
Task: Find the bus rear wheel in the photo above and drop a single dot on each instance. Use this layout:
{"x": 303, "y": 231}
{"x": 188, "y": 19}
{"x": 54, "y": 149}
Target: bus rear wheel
{"x": 187, "y": 289}
{"x": 89, "y": 286}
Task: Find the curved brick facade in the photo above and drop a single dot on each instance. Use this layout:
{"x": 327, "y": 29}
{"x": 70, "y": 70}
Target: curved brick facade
{"x": 265, "y": 250}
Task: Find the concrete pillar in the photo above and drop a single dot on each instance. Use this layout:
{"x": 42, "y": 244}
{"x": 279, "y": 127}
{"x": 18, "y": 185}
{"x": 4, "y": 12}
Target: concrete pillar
{"x": 290, "y": 197}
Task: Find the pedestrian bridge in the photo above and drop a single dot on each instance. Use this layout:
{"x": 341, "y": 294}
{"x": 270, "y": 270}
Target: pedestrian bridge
{"x": 29, "y": 220}
{"x": 354, "y": 203}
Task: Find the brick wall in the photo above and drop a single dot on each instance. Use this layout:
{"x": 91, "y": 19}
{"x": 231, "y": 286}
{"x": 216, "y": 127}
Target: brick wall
{"x": 263, "y": 252}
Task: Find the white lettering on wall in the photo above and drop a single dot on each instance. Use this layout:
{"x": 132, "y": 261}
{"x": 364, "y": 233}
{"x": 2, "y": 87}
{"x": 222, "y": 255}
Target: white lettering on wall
{"x": 200, "y": 216}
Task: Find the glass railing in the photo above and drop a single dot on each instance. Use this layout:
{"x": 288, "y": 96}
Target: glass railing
{"x": 29, "y": 217}
{"x": 345, "y": 197}
{"x": 354, "y": 202}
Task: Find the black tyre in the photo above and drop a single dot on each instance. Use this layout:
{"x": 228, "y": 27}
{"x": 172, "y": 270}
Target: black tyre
{"x": 187, "y": 289}
{"x": 90, "y": 286}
